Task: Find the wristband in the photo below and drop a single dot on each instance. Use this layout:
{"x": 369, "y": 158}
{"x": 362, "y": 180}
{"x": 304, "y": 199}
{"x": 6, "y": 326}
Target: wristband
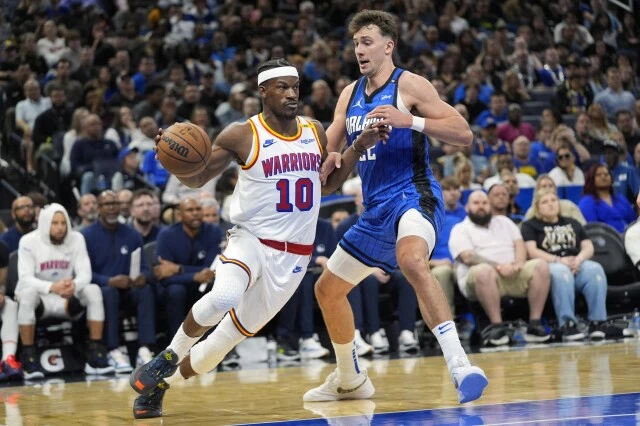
{"x": 418, "y": 124}
{"x": 353, "y": 146}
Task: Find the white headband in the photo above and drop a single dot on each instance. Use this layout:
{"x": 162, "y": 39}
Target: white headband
{"x": 277, "y": 72}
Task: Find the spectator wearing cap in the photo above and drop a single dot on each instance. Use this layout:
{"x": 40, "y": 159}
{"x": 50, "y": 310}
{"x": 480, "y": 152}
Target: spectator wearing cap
{"x": 71, "y": 87}
{"x": 614, "y": 98}
{"x": 566, "y": 173}
{"x": 126, "y": 94}
{"x": 626, "y": 181}
{"x": 231, "y": 111}
{"x": 129, "y": 176}
{"x": 490, "y": 144}
{"x": 497, "y": 110}
{"x": 600, "y": 202}
{"x": 146, "y": 71}
{"x": 150, "y": 106}
{"x": 514, "y": 127}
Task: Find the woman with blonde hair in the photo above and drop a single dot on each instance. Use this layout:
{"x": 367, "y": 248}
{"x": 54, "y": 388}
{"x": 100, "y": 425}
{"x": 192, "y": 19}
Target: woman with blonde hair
{"x": 564, "y": 244}
{"x": 513, "y": 89}
{"x": 70, "y": 138}
{"x": 567, "y": 207}
{"x": 463, "y": 172}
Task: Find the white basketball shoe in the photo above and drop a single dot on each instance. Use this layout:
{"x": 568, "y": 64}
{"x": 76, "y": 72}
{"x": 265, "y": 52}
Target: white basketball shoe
{"x": 334, "y": 390}
{"x": 468, "y": 379}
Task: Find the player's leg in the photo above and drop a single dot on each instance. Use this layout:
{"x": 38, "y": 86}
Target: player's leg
{"x": 348, "y": 381}
{"x": 416, "y": 237}
{"x": 29, "y": 302}
{"x": 90, "y": 297}
{"x": 239, "y": 265}
{"x": 9, "y": 335}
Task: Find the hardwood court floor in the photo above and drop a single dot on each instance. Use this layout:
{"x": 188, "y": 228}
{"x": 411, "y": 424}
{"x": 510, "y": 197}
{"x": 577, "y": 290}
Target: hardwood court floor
{"x": 269, "y": 395}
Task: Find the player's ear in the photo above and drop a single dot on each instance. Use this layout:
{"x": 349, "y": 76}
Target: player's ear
{"x": 390, "y": 45}
{"x": 263, "y": 92}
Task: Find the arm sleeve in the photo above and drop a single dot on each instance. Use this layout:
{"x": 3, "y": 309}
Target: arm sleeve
{"x": 82, "y": 264}
{"x": 26, "y": 271}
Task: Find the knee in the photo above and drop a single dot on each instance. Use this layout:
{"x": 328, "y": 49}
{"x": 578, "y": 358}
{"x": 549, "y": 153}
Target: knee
{"x": 560, "y": 274}
{"x": 541, "y": 269}
{"x": 595, "y": 272}
{"x": 28, "y": 297}
{"x": 327, "y": 290}
{"x": 92, "y": 293}
{"x": 411, "y": 262}
{"x": 485, "y": 275}
{"x": 225, "y": 295}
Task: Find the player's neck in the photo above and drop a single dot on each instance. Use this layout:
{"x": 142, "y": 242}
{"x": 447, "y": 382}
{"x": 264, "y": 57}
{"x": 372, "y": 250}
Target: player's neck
{"x": 376, "y": 81}
{"x": 280, "y": 126}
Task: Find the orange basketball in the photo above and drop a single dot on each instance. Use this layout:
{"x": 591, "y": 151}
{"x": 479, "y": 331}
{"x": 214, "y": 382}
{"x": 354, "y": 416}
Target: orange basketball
{"x": 184, "y": 149}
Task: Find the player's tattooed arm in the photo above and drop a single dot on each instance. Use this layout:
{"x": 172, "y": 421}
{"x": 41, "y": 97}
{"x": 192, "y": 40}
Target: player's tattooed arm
{"x": 471, "y": 258}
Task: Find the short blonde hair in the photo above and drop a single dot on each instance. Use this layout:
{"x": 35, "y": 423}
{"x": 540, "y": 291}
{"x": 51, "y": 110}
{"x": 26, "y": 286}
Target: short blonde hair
{"x": 536, "y": 199}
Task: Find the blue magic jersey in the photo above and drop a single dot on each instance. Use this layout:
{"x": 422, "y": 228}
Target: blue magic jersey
{"x": 401, "y": 166}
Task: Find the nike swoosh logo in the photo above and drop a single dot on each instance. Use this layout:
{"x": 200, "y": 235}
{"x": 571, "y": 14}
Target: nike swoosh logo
{"x": 444, "y": 331}
{"x": 441, "y": 327}
{"x": 343, "y": 391}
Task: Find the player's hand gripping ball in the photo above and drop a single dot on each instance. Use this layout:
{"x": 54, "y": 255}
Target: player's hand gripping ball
{"x": 183, "y": 149}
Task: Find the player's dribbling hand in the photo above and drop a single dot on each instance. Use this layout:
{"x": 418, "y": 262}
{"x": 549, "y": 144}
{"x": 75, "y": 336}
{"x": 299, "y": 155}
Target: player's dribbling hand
{"x": 157, "y": 140}
{"x": 390, "y": 116}
{"x": 332, "y": 162}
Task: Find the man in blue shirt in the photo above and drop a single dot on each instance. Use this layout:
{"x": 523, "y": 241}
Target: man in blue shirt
{"x": 490, "y": 144}
{"x": 626, "y": 181}
{"x": 110, "y": 245}
{"x": 142, "y": 214}
{"x": 23, "y": 214}
{"x": 185, "y": 252}
{"x": 497, "y": 110}
{"x": 441, "y": 262}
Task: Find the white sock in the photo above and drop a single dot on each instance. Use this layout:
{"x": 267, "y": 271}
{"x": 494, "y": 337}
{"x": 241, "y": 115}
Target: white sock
{"x": 181, "y": 343}
{"x": 449, "y": 341}
{"x": 9, "y": 347}
{"x": 347, "y": 360}
{"x": 175, "y": 379}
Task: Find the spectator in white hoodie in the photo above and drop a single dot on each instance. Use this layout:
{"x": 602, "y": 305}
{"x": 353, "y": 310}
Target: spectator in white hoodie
{"x": 54, "y": 274}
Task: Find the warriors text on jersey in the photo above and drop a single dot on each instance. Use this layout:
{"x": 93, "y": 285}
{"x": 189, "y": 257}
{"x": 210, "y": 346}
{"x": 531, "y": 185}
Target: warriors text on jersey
{"x": 277, "y": 196}
{"x": 401, "y": 166}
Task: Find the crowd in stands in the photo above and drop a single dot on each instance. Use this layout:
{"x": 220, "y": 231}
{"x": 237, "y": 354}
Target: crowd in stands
{"x": 550, "y": 90}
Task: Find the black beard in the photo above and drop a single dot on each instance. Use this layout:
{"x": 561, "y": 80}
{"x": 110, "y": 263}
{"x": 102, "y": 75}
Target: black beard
{"x": 285, "y": 116}
{"x": 480, "y": 219}
{"x": 57, "y": 242}
{"x": 25, "y": 224}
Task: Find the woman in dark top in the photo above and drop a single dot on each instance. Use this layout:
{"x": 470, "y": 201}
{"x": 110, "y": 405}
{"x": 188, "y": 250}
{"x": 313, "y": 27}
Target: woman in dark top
{"x": 601, "y": 204}
{"x": 563, "y": 243}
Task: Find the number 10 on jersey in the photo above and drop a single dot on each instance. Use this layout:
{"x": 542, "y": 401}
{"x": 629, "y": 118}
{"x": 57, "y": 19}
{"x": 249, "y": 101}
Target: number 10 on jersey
{"x": 303, "y": 195}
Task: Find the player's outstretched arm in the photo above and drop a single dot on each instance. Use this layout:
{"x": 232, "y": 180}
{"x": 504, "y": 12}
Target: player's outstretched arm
{"x": 369, "y": 137}
{"x": 336, "y": 134}
{"x": 436, "y": 118}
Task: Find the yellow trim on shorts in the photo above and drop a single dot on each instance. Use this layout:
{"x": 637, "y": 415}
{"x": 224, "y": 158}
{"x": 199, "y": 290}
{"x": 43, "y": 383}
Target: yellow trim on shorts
{"x": 236, "y": 262}
{"x": 239, "y": 326}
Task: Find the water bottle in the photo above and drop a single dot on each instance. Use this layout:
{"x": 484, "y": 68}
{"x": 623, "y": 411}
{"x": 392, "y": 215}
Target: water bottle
{"x": 635, "y": 323}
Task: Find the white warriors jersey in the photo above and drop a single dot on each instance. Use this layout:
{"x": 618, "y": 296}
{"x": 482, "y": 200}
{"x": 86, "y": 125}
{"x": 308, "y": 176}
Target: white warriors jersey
{"x": 277, "y": 196}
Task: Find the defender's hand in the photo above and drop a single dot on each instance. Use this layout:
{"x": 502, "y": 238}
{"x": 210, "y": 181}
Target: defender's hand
{"x": 332, "y": 162}
{"x": 370, "y": 137}
{"x": 391, "y": 116}
{"x": 157, "y": 140}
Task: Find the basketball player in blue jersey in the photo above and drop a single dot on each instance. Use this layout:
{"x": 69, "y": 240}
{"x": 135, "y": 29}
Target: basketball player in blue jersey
{"x": 403, "y": 203}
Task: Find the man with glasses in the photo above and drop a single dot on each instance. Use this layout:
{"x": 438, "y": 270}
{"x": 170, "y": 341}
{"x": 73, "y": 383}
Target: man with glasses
{"x": 23, "y": 215}
{"x": 110, "y": 245}
{"x": 142, "y": 215}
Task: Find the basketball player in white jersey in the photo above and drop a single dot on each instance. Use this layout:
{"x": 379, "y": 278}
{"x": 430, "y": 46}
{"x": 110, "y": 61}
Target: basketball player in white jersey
{"x": 275, "y": 209}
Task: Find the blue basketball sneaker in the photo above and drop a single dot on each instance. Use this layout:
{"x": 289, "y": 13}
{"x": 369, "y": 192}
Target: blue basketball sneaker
{"x": 469, "y": 380}
{"x": 150, "y": 406}
{"x": 147, "y": 377}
